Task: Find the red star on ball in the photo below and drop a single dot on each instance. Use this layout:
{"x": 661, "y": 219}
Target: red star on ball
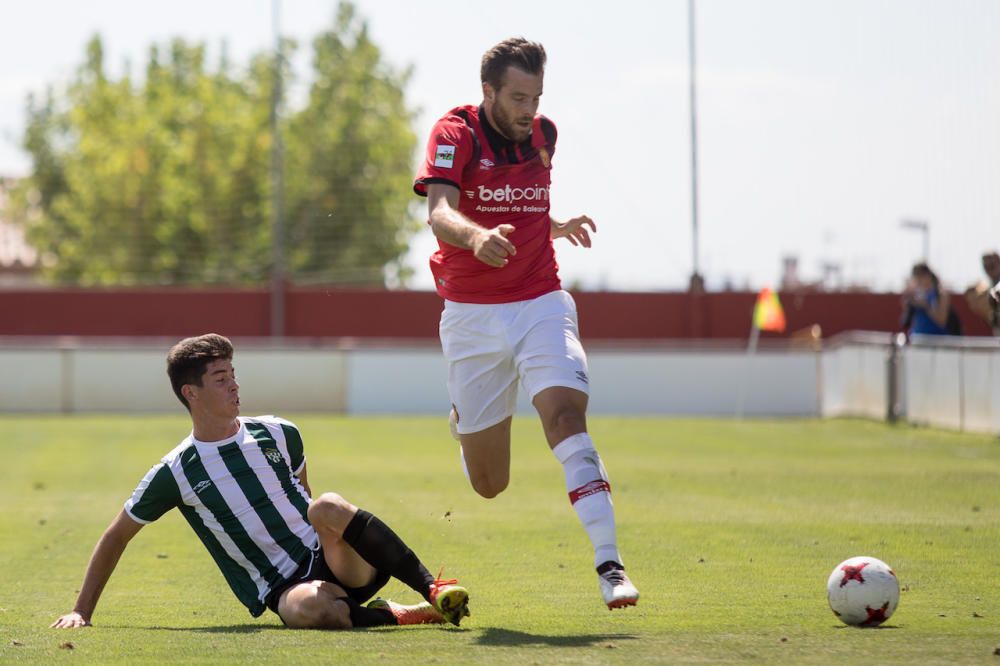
{"x": 876, "y": 615}
{"x": 852, "y": 573}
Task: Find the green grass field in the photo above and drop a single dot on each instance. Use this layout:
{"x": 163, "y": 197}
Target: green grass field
{"x": 728, "y": 528}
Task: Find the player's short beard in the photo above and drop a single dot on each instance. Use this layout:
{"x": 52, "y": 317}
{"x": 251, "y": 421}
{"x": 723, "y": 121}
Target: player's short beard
{"x": 507, "y": 127}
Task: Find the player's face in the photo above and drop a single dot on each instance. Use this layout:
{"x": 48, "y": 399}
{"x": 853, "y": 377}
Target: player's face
{"x": 219, "y": 393}
{"x": 513, "y": 107}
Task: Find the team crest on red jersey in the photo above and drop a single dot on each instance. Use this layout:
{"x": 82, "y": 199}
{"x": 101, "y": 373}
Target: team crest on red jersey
{"x": 544, "y": 156}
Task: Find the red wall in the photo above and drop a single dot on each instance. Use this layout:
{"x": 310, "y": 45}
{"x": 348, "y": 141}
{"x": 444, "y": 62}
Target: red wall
{"x": 320, "y": 313}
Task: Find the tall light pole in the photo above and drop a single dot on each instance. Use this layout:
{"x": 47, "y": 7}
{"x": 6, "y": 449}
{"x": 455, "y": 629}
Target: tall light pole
{"x": 696, "y": 282}
{"x": 924, "y": 227}
{"x": 277, "y": 187}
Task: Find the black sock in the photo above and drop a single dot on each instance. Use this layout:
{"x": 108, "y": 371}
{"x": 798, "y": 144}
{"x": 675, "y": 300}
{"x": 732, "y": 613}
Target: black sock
{"x": 362, "y": 616}
{"x": 381, "y": 548}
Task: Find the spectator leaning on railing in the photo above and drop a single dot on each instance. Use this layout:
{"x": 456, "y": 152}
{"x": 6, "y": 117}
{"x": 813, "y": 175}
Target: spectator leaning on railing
{"x": 981, "y": 299}
{"x": 927, "y": 307}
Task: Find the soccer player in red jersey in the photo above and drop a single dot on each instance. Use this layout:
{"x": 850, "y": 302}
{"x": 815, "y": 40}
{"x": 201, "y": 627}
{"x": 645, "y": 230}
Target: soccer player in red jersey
{"x": 506, "y": 319}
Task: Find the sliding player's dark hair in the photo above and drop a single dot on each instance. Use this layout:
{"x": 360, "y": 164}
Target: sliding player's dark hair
{"x": 518, "y": 52}
{"x": 187, "y": 360}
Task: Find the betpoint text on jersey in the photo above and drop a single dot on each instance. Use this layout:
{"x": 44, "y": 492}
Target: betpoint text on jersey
{"x": 512, "y": 194}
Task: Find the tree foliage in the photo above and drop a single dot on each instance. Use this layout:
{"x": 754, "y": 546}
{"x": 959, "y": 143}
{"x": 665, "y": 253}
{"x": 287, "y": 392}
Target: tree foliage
{"x": 165, "y": 179}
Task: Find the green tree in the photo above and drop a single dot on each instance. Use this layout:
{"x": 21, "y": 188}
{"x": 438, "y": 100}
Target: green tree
{"x": 166, "y": 181}
{"x": 350, "y": 170}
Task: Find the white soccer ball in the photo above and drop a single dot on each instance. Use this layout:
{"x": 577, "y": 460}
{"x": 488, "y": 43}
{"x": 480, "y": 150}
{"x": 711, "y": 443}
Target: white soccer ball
{"x": 863, "y": 591}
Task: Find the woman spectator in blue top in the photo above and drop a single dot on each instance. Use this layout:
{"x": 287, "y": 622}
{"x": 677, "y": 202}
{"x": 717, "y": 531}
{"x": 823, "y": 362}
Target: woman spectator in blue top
{"x": 926, "y": 305}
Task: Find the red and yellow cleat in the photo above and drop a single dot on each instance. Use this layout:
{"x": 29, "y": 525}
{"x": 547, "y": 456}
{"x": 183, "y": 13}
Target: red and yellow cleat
{"x": 422, "y": 613}
{"x": 450, "y": 599}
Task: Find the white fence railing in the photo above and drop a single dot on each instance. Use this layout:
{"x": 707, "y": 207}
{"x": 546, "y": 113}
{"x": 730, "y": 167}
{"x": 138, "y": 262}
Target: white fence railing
{"x": 945, "y": 382}
{"x": 949, "y": 383}
{"x": 710, "y": 379}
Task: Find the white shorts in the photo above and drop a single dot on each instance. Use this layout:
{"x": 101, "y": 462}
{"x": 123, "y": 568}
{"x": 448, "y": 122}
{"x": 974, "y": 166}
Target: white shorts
{"x": 490, "y": 346}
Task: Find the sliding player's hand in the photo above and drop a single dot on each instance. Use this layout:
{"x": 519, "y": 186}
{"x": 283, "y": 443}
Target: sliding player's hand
{"x": 70, "y": 621}
{"x": 492, "y": 247}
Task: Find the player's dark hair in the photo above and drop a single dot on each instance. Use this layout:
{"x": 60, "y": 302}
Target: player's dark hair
{"x": 529, "y": 57}
{"x": 187, "y": 360}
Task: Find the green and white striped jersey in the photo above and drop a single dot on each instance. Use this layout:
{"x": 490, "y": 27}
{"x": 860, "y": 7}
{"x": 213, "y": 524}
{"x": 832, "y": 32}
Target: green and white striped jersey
{"x": 243, "y": 499}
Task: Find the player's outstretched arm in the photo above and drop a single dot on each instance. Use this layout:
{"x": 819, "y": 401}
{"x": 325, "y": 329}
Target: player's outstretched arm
{"x": 106, "y": 554}
{"x": 489, "y": 246}
{"x": 574, "y": 229}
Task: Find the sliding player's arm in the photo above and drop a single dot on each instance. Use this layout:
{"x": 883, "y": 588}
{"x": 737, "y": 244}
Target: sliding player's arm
{"x": 102, "y": 564}
{"x": 489, "y": 246}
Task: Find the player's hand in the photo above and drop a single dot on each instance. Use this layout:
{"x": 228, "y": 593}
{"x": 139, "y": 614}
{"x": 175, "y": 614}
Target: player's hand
{"x": 492, "y": 247}
{"x": 575, "y": 230}
{"x": 70, "y": 621}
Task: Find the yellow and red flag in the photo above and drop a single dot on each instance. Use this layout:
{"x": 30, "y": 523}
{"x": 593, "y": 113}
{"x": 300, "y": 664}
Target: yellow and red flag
{"x": 768, "y": 315}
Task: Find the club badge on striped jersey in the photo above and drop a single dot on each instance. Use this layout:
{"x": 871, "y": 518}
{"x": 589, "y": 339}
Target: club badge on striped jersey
{"x": 272, "y": 455}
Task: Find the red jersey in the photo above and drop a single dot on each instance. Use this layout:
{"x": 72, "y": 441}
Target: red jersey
{"x": 500, "y": 182}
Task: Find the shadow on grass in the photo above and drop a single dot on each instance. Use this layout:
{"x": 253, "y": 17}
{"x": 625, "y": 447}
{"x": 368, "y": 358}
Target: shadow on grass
{"x": 508, "y": 637}
{"x": 259, "y": 628}
{"x": 226, "y": 629}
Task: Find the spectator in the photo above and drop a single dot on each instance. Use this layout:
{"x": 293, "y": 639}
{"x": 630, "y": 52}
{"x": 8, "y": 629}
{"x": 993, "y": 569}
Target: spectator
{"x": 926, "y": 307}
{"x": 978, "y": 296}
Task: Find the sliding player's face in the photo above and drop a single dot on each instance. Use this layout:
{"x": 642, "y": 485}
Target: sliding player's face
{"x": 514, "y": 106}
{"x": 219, "y": 393}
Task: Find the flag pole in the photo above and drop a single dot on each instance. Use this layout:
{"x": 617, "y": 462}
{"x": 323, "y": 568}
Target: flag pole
{"x": 767, "y": 315}
{"x": 751, "y": 351}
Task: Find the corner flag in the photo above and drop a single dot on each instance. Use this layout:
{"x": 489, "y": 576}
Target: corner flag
{"x": 768, "y": 314}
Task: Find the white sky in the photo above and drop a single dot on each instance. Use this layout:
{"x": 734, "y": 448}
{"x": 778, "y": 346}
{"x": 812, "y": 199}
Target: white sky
{"x": 822, "y": 123}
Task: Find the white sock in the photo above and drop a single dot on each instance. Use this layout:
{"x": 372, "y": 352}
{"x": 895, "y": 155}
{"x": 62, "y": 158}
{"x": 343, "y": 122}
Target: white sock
{"x": 590, "y": 494}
